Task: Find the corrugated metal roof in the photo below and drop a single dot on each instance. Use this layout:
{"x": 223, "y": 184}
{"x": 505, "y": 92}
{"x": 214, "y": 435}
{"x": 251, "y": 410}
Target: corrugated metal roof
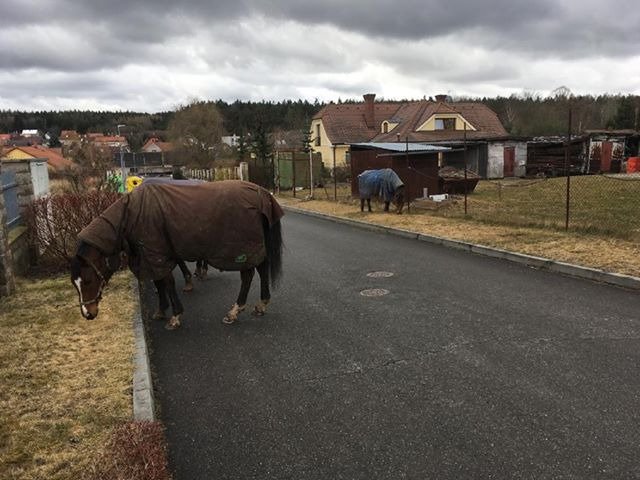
{"x": 402, "y": 147}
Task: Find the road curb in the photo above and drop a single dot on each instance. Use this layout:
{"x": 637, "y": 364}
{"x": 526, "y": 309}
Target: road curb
{"x": 620, "y": 280}
{"x": 143, "y": 404}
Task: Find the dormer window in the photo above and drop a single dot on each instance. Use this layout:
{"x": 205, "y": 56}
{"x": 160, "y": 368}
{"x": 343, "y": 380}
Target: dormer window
{"x": 386, "y": 126}
{"x": 445, "y": 124}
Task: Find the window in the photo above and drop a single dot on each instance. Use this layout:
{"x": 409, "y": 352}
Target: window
{"x": 385, "y": 127}
{"x": 445, "y": 123}
{"x": 317, "y": 135}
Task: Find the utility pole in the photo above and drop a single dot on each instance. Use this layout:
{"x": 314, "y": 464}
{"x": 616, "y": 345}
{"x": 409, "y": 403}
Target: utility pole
{"x": 122, "y": 169}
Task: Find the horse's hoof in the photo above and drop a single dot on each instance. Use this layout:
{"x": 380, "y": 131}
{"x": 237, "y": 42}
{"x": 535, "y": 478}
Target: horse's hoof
{"x": 173, "y": 323}
{"x": 258, "y": 311}
{"x": 159, "y": 316}
{"x": 188, "y": 288}
{"x": 229, "y": 320}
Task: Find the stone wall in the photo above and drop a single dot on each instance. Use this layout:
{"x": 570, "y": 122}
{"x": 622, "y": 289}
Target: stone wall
{"x": 7, "y": 279}
{"x": 15, "y": 253}
{"x": 22, "y": 168}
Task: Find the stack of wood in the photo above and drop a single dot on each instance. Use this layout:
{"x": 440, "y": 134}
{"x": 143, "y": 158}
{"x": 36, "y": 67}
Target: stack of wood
{"x": 454, "y": 181}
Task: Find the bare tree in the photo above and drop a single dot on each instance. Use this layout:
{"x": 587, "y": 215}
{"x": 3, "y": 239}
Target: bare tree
{"x": 197, "y": 131}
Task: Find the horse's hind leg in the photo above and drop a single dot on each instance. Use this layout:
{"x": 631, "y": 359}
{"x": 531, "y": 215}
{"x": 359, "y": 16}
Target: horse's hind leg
{"x": 246, "y": 276}
{"x": 188, "y": 284}
{"x": 163, "y": 301}
{"x": 265, "y": 295}
{"x": 201, "y": 269}
{"x": 176, "y": 304}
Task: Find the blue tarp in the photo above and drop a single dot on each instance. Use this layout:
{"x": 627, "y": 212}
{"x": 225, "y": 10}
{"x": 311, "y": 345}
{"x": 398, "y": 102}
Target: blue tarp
{"x": 382, "y": 183}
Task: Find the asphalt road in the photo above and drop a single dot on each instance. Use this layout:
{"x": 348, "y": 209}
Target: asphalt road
{"x": 469, "y": 367}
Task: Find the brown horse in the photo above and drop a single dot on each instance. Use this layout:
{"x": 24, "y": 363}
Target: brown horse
{"x": 237, "y": 227}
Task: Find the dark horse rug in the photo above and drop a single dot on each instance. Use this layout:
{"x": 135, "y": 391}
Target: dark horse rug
{"x": 382, "y": 183}
{"x": 159, "y": 223}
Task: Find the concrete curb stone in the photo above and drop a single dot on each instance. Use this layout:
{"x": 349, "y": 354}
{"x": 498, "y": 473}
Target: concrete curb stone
{"x": 620, "y": 280}
{"x": 143, "y": 403}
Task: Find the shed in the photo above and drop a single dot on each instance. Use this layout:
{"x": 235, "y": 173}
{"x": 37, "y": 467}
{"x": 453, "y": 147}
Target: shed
{"x": 415, "y": 163}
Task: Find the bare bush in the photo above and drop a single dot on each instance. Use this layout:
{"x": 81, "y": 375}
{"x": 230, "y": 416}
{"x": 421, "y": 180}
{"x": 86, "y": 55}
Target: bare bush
{"x": 55, "y": 221}
{"x": 137, "y": 451}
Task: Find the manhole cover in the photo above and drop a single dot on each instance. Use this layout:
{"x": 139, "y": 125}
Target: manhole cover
{"x": 380, "y": 274}
{"x": 374, "y": 292}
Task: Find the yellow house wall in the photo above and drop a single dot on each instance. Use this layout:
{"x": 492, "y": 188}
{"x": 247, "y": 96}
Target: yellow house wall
{"x": 325, "y": 149}
{"x": 17, "y": 155}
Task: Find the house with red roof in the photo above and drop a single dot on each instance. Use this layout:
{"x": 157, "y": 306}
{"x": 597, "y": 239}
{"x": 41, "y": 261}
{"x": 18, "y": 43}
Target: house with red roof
{"x": 55, "y": 161}
{"x": 154, "y": 144}
{"x": 490, "y": 151}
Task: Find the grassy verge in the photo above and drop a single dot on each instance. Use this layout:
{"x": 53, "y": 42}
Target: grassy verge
{"x": 66, "y": 381}
{"x": 597, "y": 251}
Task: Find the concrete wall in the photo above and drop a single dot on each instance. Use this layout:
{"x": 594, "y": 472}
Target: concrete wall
{"x": 39, "y": 178}
{"x": 22, "y": 256}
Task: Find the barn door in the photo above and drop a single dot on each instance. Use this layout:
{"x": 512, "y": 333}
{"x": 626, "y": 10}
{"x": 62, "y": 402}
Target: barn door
{"x": 509, "y": 161}
{"x": 605, "y": 156}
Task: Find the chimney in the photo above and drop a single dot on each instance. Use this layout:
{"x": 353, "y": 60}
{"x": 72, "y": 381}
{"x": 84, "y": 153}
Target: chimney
{"x": 441, "y": 98}
{"x": 368, "y": 108}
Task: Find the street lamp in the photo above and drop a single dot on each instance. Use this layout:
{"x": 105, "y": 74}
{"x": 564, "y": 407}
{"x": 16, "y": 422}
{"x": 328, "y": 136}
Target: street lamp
{"x": 122, "y": 169}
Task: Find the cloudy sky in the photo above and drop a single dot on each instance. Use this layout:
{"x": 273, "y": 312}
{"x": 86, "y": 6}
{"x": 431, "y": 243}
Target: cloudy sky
{"x": 151, "y": 56}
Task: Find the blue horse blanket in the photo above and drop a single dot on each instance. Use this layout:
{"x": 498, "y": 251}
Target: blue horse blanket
{"x": 382, "y": 183}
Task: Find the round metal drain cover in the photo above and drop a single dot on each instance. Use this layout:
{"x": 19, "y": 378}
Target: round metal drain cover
{"x": 380, "y": 274}
{"x": 374, "y": 292}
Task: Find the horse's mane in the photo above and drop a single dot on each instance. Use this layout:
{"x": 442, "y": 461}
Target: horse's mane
{"x": 77, "y": 259}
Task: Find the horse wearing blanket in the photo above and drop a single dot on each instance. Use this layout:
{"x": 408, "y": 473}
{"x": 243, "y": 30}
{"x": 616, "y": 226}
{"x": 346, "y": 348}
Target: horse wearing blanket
{"x": 384, "y": 183}
{"x": 235, "y": 225}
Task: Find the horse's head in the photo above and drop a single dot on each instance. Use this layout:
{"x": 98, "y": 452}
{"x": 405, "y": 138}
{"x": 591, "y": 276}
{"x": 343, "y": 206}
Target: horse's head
{"x": 90, "y": 272}
{"x": 398, "y": 199}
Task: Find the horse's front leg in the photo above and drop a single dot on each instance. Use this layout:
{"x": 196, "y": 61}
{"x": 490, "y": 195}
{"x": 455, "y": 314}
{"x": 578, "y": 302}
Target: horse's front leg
{"x": 246, "y": 276}
{"x": 265, "y": 295}
{"x": 176, "y": 304}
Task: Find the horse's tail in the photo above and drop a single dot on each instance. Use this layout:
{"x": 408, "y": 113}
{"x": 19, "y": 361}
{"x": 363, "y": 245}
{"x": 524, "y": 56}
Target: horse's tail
{"x": 274, "y": 245}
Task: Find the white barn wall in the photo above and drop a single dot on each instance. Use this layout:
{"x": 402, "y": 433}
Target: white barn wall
{"x": 495, "y": 159}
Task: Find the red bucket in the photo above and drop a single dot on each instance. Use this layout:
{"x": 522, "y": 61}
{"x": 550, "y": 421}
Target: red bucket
{"x": 633, "y": 164}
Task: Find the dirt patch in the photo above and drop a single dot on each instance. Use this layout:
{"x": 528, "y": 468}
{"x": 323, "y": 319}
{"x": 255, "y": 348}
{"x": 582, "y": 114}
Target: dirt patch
{"x": 608, "y": 254}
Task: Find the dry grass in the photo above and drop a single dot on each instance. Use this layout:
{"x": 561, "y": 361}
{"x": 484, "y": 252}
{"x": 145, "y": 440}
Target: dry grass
{"x": 66, "y": 381}
{"x": 602, "y": 252}
{"x": 599, "y": 204}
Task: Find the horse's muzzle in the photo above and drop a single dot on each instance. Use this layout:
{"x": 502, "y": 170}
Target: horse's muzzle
{"x": 89, "y": 313}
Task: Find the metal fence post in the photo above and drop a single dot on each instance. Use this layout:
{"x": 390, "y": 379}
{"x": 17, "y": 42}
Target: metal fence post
{"x": 568, "y": 172}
